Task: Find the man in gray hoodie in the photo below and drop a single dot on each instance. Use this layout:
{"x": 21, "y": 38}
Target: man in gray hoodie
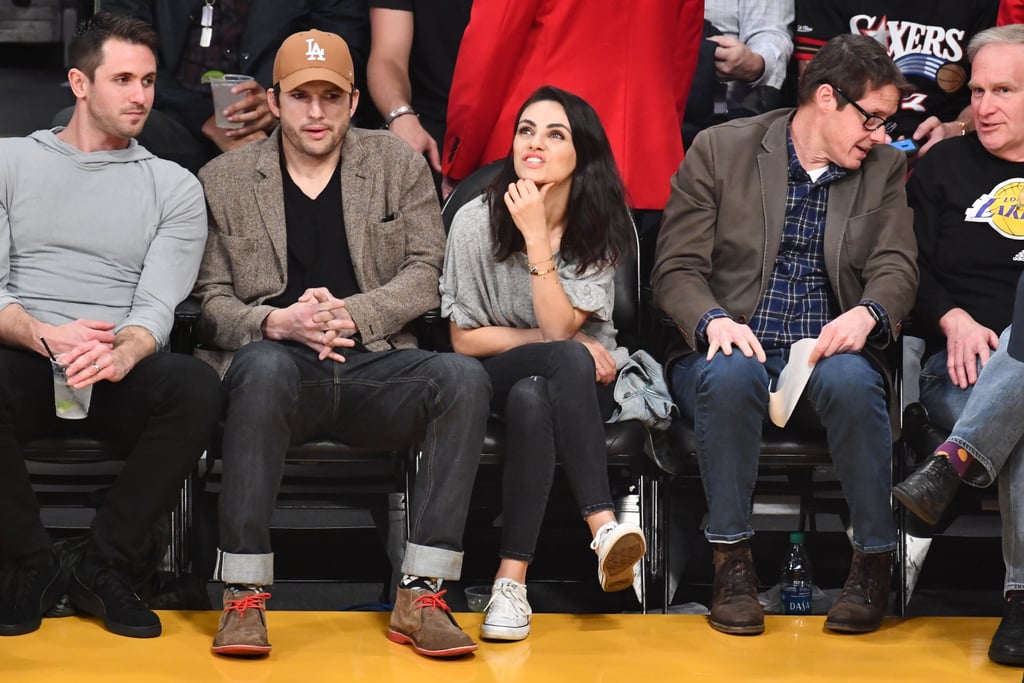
{"x": 99, "y": 241}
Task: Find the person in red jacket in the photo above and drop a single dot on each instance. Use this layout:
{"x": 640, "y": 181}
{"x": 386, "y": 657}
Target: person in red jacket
{"x": 1010, "y": 12}
{"x": 635, "y": 67}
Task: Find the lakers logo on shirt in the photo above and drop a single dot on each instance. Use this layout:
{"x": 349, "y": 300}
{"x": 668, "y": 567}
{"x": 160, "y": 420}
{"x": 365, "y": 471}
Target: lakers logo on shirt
{"x": 1002, "y": 208}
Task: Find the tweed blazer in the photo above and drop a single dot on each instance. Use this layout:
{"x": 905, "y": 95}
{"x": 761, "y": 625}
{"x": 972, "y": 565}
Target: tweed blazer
{"x": 392, "y": 222}
{"x": 724, "y": 221}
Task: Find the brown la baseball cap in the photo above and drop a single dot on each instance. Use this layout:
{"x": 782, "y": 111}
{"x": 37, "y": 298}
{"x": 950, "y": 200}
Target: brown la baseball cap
{"x": 313, "y": 56}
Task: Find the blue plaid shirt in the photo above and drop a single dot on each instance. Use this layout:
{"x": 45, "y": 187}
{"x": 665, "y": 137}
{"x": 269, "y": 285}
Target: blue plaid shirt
{"x": 799, "y": 300}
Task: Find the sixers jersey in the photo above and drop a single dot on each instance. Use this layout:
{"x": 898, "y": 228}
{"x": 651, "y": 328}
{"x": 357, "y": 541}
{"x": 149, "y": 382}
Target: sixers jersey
{"x": 927, "y": 39}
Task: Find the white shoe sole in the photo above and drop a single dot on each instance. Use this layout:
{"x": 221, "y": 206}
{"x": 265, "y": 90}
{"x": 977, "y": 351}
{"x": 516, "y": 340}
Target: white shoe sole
{"x": 493, "y": 632}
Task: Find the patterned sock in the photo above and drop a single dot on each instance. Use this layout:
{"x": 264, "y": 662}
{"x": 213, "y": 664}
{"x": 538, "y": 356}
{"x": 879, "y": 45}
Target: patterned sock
{"x": 427, "y": 583}
{"x": 957, "y": 456}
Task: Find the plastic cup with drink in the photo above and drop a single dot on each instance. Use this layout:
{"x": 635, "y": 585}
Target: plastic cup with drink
{"x": 220, "y": 88}
{"x": 68, "y": 402}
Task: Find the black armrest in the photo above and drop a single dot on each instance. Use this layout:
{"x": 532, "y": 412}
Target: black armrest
{"x": 187, "y": 310}
{"x": 183, "y": 334}
{"x": 432, "y": 331}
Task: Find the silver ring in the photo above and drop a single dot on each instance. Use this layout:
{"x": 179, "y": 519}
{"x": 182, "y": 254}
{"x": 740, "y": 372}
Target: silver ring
{"x": 96, "y": 366}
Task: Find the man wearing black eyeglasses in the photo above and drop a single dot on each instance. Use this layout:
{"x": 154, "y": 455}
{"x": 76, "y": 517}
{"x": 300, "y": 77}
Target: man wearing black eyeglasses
{"x": 787, "y": 226}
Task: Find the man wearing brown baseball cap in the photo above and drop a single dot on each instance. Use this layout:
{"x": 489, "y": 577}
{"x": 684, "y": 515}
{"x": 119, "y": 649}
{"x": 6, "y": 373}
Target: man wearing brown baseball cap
{"x": 313, "y": 56}
{"x": 325, "y": 244}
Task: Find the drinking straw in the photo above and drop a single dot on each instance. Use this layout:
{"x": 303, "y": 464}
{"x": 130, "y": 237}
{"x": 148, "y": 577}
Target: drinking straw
{"x": 48, "y": 350}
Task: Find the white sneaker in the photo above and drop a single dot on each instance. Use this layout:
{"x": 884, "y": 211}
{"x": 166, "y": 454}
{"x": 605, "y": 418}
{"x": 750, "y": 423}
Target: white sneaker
{"x": 619, "y": 547}
{"x": 507, "y": 612}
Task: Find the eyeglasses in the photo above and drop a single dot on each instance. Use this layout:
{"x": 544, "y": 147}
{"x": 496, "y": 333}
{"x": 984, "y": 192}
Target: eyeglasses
{"x": 871, "y": 122}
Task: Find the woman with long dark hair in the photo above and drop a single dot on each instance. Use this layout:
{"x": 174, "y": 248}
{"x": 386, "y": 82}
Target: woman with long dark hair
{"x": 528, "y": 288}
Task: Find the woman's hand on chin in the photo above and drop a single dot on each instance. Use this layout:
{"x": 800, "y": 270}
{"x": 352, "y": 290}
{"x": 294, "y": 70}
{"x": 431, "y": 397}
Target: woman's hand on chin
{"x": 525, "y": 202}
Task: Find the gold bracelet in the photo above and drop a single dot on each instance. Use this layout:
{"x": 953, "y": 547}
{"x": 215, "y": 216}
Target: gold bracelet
{"x": 549, "y": 258}
{"x": 534, "y": 271}
{"x": 963, "y": 127}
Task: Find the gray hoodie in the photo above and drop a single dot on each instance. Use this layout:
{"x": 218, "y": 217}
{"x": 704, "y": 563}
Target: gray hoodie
{"x": 112, "y": 235}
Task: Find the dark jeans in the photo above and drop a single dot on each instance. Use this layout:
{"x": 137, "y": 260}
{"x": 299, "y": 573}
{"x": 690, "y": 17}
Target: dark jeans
{"x": 727, "y": 400}
{"x": 546, "y": 395}
{"x": 280, "y": 394}
{"x": 164, "y": 411}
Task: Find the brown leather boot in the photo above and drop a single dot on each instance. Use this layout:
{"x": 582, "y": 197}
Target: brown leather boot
{"x": 424, "y": 620}
{"x": 861, "y": 605}
{"x": 734, "y": 605}
{"x": 243, "y": 623}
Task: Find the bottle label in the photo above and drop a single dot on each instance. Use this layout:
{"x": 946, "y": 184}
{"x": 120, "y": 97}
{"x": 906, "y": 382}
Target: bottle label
{"x": 795, "y": 599}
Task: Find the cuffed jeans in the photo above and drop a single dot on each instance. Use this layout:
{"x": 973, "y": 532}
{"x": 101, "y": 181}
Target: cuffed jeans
{"x": 549, "y": 399}
{"x": 163, "y": 411}
{"x": 280, "y": 393}
{"x": 990, "y": 428}
{"x": 727, "y": 399}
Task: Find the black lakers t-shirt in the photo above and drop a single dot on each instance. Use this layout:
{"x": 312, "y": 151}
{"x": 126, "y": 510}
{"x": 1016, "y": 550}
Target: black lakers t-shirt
{"x": 969, "y": 223}
{"x": 926, "y": 38}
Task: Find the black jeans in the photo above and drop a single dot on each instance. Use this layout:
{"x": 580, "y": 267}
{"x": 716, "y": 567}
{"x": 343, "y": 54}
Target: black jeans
{"x": 554, "y": 408}
{"x": 164, "y": 412}
{"x": 280, "y": 393}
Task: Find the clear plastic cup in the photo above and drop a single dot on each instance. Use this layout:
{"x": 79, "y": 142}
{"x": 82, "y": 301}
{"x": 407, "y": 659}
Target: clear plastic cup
{"x": 477, "y": 598}
{"x": 70, "y": 404}
{"x": 220, "y": 88}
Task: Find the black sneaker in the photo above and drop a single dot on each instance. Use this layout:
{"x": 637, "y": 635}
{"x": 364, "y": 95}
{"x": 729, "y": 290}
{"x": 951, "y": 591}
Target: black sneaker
{"x": 103, "y": 590}
{"x": 26, "y": 593}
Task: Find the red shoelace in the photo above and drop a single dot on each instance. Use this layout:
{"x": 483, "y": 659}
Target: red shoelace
{"x": 256, "y": 601}
{"x": 433, "y": 601}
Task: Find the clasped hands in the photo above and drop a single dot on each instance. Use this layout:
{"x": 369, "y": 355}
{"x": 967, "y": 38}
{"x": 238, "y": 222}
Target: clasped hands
{"x": 86, "y": 350}
{"x": 319, "y": 320}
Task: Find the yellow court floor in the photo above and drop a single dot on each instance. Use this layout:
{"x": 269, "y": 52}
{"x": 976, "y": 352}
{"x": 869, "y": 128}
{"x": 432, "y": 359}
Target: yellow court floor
{"x": 345, "y": 646}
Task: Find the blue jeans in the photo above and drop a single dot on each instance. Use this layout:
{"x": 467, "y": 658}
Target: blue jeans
{"x": 944, "y": 400}
{"x": 727, "y": 400}
{"x": 990, "y": 428}
{"x": 280, "y": 394}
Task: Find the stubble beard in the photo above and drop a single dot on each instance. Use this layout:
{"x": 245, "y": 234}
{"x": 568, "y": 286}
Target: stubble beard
{"x": 316, "y": 149}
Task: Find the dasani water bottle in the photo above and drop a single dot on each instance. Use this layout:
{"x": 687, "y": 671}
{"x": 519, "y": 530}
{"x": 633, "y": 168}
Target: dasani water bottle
{"x": 795, "y": 578}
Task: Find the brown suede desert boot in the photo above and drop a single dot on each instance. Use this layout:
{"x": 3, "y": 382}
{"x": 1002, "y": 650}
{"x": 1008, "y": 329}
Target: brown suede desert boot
{"x": 424, "y": 620}
{"x": 734, "y": 605}
{"x": 861, "y": 605}
{"x": 243, "y": 623}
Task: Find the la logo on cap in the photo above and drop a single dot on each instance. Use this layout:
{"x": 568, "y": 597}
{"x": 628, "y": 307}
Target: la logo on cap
{"x": 314, "y": 53}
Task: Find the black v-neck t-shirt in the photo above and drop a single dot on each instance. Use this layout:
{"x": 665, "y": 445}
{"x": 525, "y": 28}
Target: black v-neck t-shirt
{"x": 318, "y": 253}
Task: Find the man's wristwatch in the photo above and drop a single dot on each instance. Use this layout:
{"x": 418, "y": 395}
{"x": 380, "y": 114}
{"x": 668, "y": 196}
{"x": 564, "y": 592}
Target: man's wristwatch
{"x": 398, "y": 111}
